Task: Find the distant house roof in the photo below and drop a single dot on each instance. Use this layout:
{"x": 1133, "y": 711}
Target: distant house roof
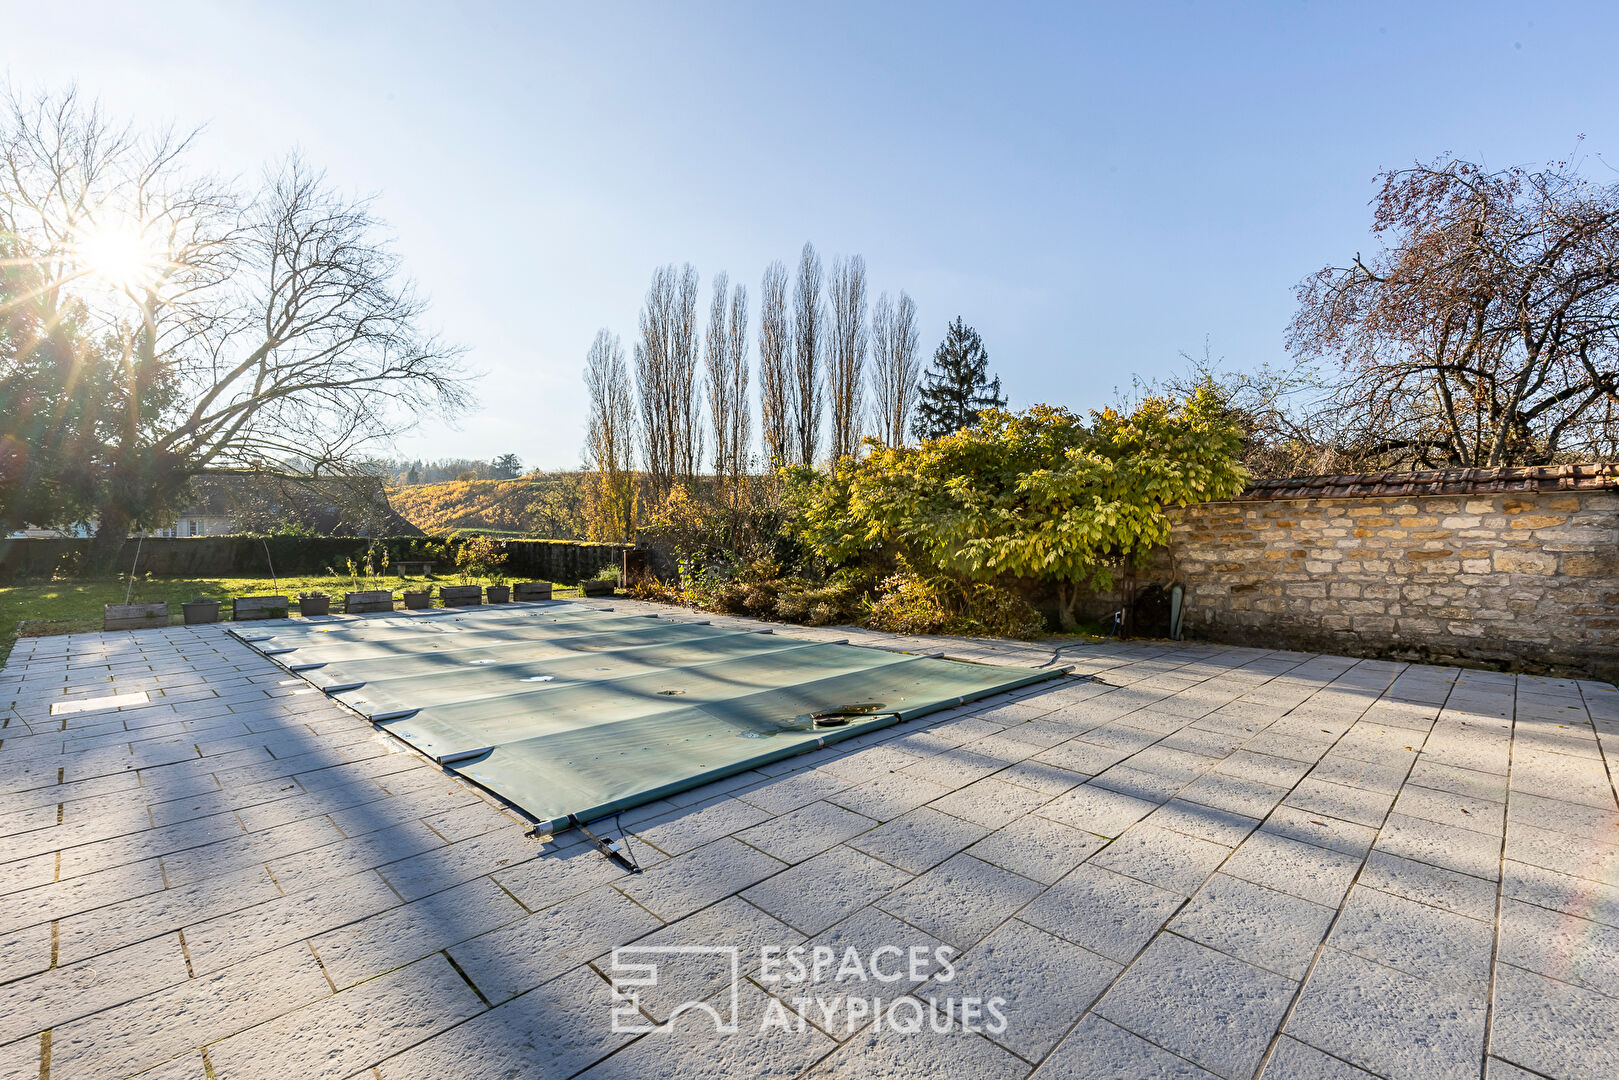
{"x": 1591, "y": 477}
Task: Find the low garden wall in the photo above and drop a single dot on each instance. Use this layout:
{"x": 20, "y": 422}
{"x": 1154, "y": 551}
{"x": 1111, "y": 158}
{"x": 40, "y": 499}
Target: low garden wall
{"x": 1517, "y": 567}
{"x": 563, "y": 561}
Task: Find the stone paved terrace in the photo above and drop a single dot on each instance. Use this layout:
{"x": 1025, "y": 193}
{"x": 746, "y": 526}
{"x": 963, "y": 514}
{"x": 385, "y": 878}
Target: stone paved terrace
{"x": 1209, "y": 862}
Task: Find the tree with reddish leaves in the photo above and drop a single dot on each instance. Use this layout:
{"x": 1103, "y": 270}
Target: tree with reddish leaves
{"x": 1485, "y": 331}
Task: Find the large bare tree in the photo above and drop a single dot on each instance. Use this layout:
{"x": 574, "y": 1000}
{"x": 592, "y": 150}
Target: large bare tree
{"x": 610, "y": 439}
{"x": 265, "y": 331}
{"x": 1486, "y": 330}
{"x": 896, "y": 367}
{"x": 846, "y": 355}
{"x": 666, "y": 376}
{"x": 775, "y": 347}
{"x": 726, "y": 356}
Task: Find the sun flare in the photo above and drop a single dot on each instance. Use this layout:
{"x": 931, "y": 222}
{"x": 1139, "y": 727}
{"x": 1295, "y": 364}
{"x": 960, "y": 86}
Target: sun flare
{"x": 122, "y": 255}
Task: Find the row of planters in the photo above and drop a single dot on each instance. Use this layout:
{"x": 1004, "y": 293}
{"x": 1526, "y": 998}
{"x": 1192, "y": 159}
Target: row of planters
{"x": 247, "y": 608}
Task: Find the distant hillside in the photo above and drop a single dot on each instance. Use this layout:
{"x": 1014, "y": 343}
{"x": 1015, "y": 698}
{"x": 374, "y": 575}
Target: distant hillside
{"x": 541, "y": 505}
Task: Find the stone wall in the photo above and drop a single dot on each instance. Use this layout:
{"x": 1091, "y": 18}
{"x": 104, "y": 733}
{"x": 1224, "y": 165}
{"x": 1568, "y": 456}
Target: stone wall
{"x": 1524, "y": 578}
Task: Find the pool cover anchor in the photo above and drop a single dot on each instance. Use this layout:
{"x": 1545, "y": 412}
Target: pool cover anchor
{"x": 611, "y": 848}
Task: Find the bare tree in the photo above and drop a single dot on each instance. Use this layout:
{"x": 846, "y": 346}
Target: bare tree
{"x": 896, "y": 368}
{"x": 610, "y": 438}
{"x": 666, "y": 375}
{"x": 727, "y": 363}
{"x": 804, "y": 391}
{"x": 271, "y": 333}
{"x": 846, "y": 355}
{"x": 775, "y": 343}
{"x": 1486, "y": 332}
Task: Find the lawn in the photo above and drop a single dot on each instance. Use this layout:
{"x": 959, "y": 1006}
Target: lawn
{"x": 75, "y": 606}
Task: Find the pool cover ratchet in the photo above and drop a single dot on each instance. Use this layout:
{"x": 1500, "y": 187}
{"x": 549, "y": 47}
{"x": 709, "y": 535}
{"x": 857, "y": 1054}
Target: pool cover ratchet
{"x": 572, "y": 712}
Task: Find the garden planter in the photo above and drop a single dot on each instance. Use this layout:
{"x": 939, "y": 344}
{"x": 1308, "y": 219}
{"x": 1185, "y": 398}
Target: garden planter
{"x": 135, "y": 616}
{"x": 418, "y": 600}
{"x": 533, "y": 590}
{"x": 200, "y": 611}
{"x": 597, "y": 587}
{"x": 499, "y": 594}
{"x": 246, "y": 608}
{"x": 460, "y": 595}
{"x": 358, "y": 603}
{"x": 314, "y": 604}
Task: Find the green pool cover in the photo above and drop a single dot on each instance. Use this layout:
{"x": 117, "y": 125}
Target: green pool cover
{"x": 572, "y": 712}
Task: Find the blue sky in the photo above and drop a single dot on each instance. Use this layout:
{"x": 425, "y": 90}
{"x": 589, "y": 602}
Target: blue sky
{"x": 1095, "y": 187}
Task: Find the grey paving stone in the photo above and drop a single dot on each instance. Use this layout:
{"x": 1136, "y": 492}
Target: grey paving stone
{"x": 961, "y": 900}
{"x": 1559, "y": 816}
{"x": 919, "y": 840}
{"x": 1205, "y": 822}
{"x": 693, "y": 826}
{"x": 31, "y": 1005}
{"x": 1169, "y": 860}
{"x": 1449, "y": 808}
{"x": 351, "y": 1031}
{"x": 1446, "y": 949}
{"x": 1098, "y": 1050}
{"x": 733, "y": 923}
{"x": 1561, "y": 892}
{"x": 1356, "y": 773}
{"x": 1097, "y": 810}
{"x": 1293, "y": 1060}
{"x": 1359, "y": 805}
{"x": 400, "y": 935}
{"x": 1554, "y": 1028}
{"x": 826, "y": 889}
{"x": 1036, "y": 848}
{"x": 1270, "y": 929}
{"x": 696, "y": 879}
{"x": 1332, "y": 833}
{"x": 1105, "y": 912}
{"x": 990, "y": 802}
{"x": 123, "y": 923}
{"x": 690, "y": 1047}
{"x": 1563, "y": 853}
{"x": 1388, "y": 1022}
{"x": 1432, "y": 885}
{"x": 807, "y": 831}
{"x": 265, "y": 927}
{"x": 124, "y": 1040}
{"x": 528, "y": 953}
{"x": 564, "y": 872}
{"x": 892, "y": 959}
{"x": 888, "y": 796}
{"x": 1564, "y": 947}
{"x": 1045, "y": 983}
{"x": 1291, "y": 866}
{"x": 1235, "y": 794}
{"x": 1211, "y": 1008}
{"x": 1245, "y": 764}
{"x": 1086, "y": 758}
{"x": 924, "y": 1055}
{"x": 1446, "y": 846}
{"x": 554, "y": 1030}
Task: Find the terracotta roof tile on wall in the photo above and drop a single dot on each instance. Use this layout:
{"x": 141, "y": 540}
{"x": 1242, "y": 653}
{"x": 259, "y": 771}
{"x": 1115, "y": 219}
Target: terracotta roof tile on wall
{"x": 1593, "y": 477}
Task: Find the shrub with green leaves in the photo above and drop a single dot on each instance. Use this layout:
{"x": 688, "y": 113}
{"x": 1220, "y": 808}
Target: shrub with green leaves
{"x": 1040, "y": 494}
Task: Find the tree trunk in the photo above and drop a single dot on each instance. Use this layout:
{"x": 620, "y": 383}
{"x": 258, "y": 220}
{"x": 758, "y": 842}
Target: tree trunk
{"x": 1128, "y": 602}
{"x": 111, "y": 532}
{"x": 1067, "y": 594}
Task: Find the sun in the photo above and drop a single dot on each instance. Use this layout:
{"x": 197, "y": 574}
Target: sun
{"x": 121, "y": 254}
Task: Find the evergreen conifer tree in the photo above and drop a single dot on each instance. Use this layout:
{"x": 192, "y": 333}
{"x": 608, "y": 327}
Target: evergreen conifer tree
{"x": 957, "y": 386}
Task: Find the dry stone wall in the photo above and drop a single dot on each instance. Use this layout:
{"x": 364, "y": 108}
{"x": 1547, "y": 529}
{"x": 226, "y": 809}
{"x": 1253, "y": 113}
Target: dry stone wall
{"x": 1529, "y": 579}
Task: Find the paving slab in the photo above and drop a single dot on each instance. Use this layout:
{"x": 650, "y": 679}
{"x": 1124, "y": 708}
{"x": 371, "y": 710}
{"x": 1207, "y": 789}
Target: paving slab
{"x": 1233, "y": 862}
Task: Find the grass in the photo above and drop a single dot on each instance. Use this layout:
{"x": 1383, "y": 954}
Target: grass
{"x": 75, "y": 606}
